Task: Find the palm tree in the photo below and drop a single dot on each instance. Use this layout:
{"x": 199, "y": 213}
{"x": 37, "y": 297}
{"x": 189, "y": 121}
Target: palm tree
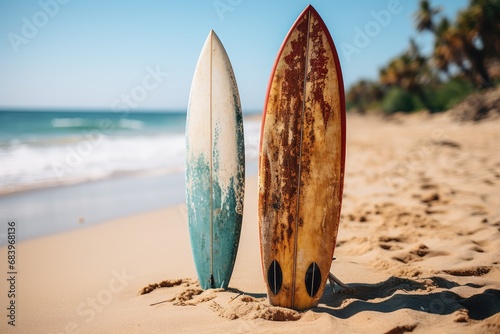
{"x": 449, "y": 49}
{"x": 410, "y": 72}
{"x": 468, "y": 23}
{"x": 486, "y": 14}
{"x": 443, "y": 55}
{"x": 425, "y": 15}
{"x": 469, "y": 42}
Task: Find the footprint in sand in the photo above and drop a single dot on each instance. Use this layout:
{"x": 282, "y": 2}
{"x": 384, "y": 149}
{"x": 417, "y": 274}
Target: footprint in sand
{"x": 390, "y": 243}
{"x": 390, "y": 247}
{"x": 428, "y": 186}
{"x": 402, "y": 217}
{"x": 480, "y": 245}
{"x": 429, "y": 198}
{"x": 478, "y": 210}
{"x": 448, "y": 143}
{"x": 432, "y": 199}
{"x": 477, "y": 248}
{"x": 356, "y": 246}
{"x": 474, "y": 271}
{"x": 418, "y": 254}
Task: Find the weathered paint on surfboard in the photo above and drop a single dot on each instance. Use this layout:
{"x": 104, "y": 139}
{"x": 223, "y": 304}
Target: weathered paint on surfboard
{"x": 215, "y": 166}
{"x": 301, "y": 165}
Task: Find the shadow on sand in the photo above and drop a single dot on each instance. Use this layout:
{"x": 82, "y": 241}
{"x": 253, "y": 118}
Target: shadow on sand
{"x": 480, "y": 306}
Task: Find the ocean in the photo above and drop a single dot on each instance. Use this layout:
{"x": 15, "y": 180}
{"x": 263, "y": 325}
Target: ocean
{"x": 40, "y": 149}
{"x": 68, "y": 170}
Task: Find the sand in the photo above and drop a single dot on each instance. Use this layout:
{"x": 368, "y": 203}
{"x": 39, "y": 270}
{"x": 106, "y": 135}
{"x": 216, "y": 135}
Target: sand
{"x": 418, "y": 246}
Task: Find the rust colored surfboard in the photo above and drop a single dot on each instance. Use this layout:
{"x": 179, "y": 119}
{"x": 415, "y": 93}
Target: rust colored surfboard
{"x": 301, "y": 165}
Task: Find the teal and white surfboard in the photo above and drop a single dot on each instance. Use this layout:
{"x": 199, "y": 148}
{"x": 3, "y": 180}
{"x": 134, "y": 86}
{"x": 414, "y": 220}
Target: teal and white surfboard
{"x": 215, "y": 166}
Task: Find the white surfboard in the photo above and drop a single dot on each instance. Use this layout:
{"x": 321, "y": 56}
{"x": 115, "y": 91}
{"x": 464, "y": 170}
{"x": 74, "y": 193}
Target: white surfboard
{"x": 215, "y": 165}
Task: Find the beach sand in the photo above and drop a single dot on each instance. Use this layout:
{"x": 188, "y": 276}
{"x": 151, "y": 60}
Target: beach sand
{"x": 418, "y": 244}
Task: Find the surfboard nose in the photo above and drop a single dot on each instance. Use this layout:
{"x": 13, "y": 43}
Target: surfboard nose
{"x": 211, "y": 34}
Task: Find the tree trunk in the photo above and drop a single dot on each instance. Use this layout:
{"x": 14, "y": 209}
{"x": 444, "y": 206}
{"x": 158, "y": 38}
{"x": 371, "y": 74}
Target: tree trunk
{"x": 425, "y": 101}
{"x": 476, "y": 57}
{"x": 468, "y": 74}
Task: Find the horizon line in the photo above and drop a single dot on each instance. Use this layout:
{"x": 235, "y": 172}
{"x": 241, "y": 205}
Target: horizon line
{"x": 97, "y": 110}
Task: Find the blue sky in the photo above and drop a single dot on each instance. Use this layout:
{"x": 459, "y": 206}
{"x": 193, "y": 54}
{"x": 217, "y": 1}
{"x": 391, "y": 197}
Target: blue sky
{"x": 88, "y": 54}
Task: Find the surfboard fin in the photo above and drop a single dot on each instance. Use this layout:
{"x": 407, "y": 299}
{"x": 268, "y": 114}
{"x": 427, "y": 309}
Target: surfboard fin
{"x": 212, "y": 281}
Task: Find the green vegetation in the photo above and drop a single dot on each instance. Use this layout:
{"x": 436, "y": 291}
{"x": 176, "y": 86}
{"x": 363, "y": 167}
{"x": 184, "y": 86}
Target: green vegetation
{"x": 464, "y": 52}
{"x": 398, "y": 99}
{"x": 448, "y": 94}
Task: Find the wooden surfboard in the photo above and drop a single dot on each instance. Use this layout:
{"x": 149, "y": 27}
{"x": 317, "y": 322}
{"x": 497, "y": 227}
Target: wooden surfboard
{"x": 301, "y": 165}
{"x": 215, "y": 166}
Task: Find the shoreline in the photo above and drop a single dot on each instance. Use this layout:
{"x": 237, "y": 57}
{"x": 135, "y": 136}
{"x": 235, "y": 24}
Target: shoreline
{"x": 46, "y": 211}
{"x": 40, "y": 186}
{"x": 56, "y": 209}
